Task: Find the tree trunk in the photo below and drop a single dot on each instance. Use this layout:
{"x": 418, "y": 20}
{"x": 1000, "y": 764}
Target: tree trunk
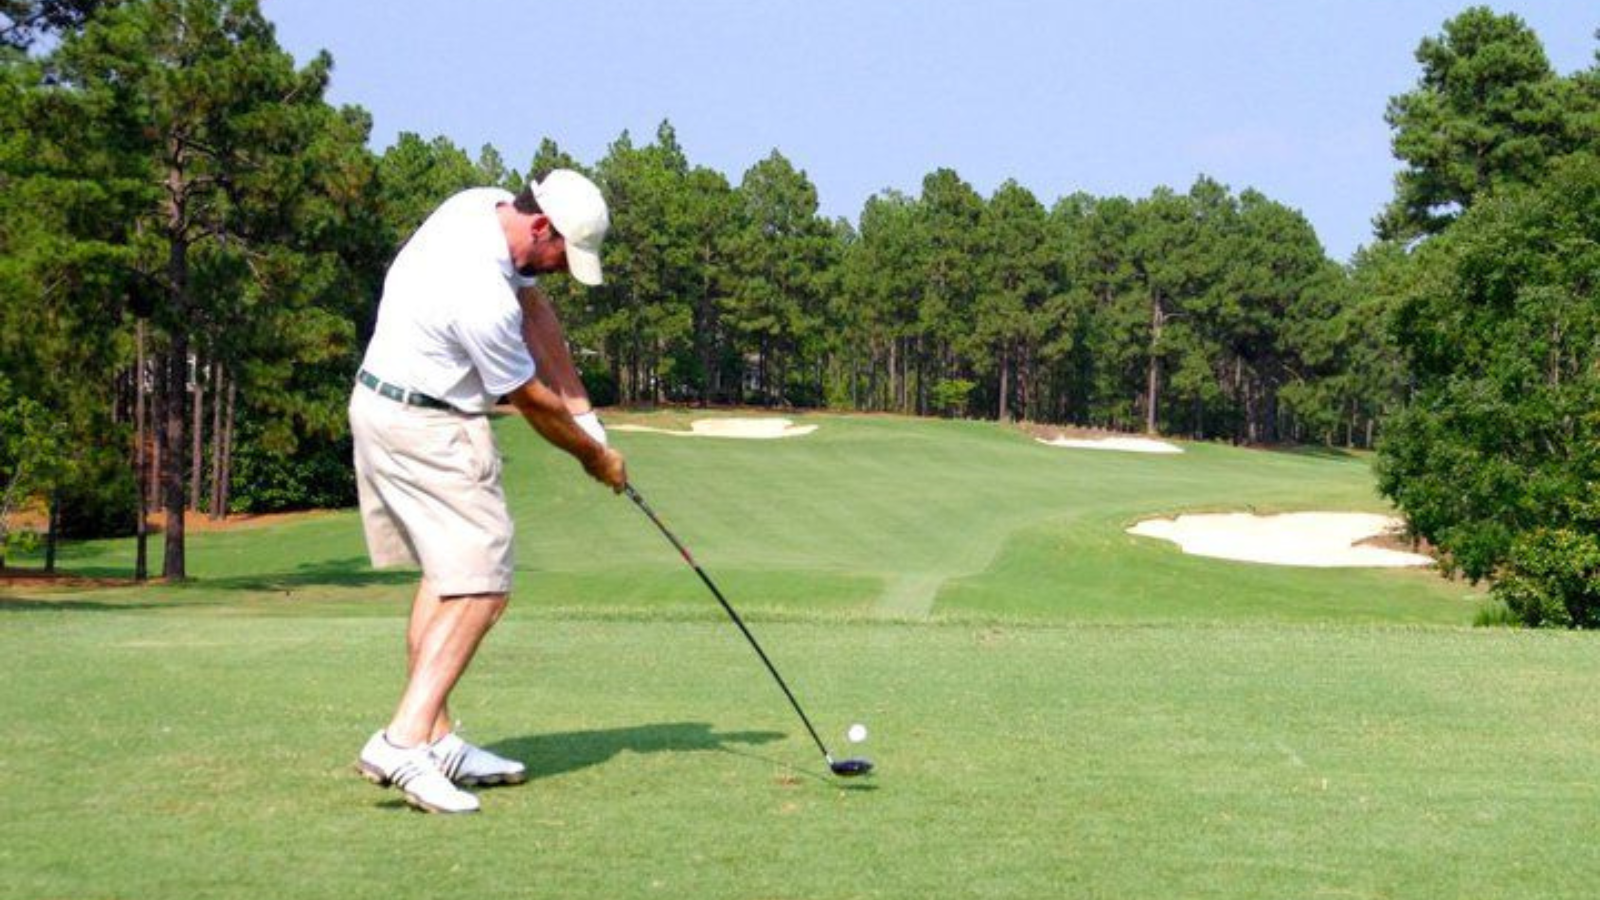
{"x": 1247, "y": 400}
{"x": 217, "y": 378}
{"x": 197, "y": 449}
{"x": 170, "y": 436}
{"x": 158, "y": 406}
{"x": 1238, "y": 394}
{"x": 894, "y": 374}
{"x": 1028, "y": 390}
{"x": 141, "y": 569}
{"x": 1153, "y": 371}
{"x": 50, "y": 531}
{"x": 225, "y": 486}
{"x": 1005, "y": 385}
{"x": 873, "y": 378}
{"x": 707, "y": 346}
{"x": 637, "y": 364}
{"x": 922, "y": 376}
{"x": 763, "y": 380}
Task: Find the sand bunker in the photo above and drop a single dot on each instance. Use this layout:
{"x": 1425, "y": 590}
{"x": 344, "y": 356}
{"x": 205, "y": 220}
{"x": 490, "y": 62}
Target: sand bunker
{"x": 1125, "y": 444}
{"x": 747, "y": 429}
{"x": 1323, "y": 540}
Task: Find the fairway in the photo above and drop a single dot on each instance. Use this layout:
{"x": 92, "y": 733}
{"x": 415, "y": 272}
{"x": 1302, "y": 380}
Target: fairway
{"x": 1056, "y": 708}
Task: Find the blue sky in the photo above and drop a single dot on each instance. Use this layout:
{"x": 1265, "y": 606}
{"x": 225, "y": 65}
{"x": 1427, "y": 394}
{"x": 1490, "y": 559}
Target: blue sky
{"x": 1107, "y": 98}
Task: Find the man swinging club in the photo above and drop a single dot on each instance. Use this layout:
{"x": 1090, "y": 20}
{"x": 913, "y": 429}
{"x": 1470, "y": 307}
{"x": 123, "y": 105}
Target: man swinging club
{"x": 460, "y": 324}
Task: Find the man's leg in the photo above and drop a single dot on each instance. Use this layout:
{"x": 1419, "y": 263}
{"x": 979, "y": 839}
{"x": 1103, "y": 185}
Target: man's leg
{"x": 463, "y": 763}
{"x": 442, "y": 638}
{"x": 424, "y": 607}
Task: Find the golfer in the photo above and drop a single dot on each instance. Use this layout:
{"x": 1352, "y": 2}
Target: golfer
{"x": 460, "y": 324}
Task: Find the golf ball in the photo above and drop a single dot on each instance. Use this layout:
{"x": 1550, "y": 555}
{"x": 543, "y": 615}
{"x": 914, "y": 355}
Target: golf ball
{"x": 857, "y": 733}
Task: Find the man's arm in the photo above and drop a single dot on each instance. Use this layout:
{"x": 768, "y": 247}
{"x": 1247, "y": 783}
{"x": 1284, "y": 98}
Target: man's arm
{"x": 541, "y": 331}
{"x": 548, "y": 414}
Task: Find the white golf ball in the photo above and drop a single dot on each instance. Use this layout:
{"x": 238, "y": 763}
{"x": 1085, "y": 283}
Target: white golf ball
{"x": 857, "y": 733}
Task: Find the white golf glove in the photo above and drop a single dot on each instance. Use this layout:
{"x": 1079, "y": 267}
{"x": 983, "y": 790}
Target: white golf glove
{"x": 590, "y": 423}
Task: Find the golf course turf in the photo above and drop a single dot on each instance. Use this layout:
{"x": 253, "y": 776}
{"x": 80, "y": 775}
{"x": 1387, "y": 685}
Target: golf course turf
{"x": 1056, "y": 708}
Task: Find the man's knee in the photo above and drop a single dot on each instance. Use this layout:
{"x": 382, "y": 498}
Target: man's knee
{"x": 492, "y": 605}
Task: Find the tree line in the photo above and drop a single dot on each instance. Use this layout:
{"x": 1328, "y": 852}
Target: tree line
{"x": 194, "y": 241}
{"x": 1492, "y": 277}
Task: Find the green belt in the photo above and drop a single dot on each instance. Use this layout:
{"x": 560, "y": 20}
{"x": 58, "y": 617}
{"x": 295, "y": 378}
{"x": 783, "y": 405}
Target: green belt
{"x": 399, "y": 394}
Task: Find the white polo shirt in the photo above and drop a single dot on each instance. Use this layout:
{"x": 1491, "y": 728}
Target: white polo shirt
{"x": 449, "y": 324}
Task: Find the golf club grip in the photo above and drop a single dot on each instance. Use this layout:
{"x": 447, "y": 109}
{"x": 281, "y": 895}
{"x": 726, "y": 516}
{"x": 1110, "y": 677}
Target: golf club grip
{"x": 728, "y": 608}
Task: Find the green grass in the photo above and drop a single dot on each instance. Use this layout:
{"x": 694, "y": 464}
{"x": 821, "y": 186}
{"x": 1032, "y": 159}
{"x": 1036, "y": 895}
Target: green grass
{"x": 871, "y": 517}
{"x": 1057, "y": 709}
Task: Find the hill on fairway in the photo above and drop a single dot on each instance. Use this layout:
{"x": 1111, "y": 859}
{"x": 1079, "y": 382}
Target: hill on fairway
{"x": 915, "y": 519}
{"x": 1056, "y": 708}
{"x": 873, "y": 517}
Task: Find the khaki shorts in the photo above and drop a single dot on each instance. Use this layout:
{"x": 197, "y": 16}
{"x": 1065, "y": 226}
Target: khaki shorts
{"x": 429, "y": 482}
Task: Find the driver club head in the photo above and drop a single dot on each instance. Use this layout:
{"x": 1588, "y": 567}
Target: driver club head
{"x": 850, "y": 768}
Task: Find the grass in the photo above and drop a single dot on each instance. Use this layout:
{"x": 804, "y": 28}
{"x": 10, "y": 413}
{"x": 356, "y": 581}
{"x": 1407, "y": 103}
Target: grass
{"x": 1057, "y": 709}
{"x": 870, "y": 517}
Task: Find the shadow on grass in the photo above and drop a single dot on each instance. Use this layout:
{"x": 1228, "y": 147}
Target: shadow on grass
{"x": 12, "y": 603}
{"x": 556, "y": 754}
{"x": 353, "y": 572}
{"x": 1318, "y": 451}
{"x": 350, "y": 572}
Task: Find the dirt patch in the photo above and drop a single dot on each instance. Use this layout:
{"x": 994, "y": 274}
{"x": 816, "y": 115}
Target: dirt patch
{"x": 200, "y": 522}
{"x": 38, "y": 578}
{"x": 156, "y": 522}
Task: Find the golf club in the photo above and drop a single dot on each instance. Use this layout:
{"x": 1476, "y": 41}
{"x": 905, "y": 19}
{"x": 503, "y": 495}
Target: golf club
{"x": 844, "y": 767}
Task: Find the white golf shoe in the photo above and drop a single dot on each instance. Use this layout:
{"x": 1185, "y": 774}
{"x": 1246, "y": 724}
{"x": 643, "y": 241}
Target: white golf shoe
{"x": 414, "y": 772}
{"x": 466, "y": 764}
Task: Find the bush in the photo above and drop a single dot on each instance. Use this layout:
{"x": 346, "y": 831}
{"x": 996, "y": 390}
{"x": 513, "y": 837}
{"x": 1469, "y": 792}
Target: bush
{"x": 1495, "y": 614}
{"x": 803, "y": 394}
{"x": 20, "y": 542}
{"x": 950, "y": 396}
{"x": 599, "y": 383}
{"x": 101, "y": 500}
{"x": 1552, "y": 579}
{"x": 319, "y": 475}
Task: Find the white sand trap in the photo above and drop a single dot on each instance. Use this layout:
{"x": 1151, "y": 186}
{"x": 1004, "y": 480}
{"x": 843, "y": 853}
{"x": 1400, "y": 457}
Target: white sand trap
{"x": 1125, "y": 444}
{"x": 1323, "y": 540}
{"x": 747, "y": 429}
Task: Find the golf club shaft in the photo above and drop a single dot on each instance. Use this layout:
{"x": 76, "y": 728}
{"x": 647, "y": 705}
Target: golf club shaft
{"x": 728, "y": 608}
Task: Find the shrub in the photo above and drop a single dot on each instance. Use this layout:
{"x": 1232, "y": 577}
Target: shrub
{"x": 101, "y": 500}
{"x": 1552, "y": 579}
{"x": 1495, "y": 614}
{"x": 950, "y": 396}
{"x": 318, "y": 476}
{"x": 599, "y": 383}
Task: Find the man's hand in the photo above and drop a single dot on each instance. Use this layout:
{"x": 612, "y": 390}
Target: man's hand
{"x": 607, "y": 468}
{"x": 548, "y": 415}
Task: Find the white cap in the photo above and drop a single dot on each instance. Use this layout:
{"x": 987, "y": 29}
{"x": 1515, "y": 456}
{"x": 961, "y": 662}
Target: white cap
{"x": 578, "y": 212}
